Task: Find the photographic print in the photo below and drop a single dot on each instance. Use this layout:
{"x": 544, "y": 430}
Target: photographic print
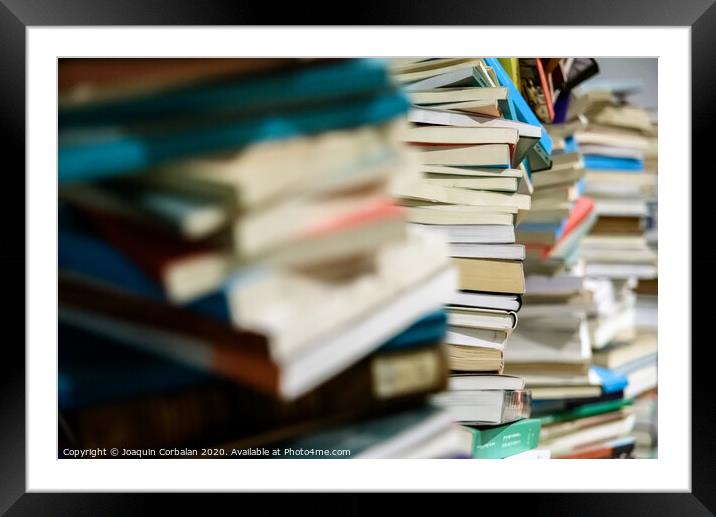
{"x": 430, "y": 257}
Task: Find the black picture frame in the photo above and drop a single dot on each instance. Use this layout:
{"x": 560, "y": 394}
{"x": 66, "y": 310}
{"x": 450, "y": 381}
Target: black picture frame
{"x": 17, "y": 15}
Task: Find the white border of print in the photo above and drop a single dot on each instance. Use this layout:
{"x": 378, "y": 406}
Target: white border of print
{"x": 671, "y": 471}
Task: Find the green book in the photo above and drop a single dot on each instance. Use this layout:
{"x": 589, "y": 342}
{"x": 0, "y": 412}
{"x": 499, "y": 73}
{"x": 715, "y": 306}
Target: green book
{"x": 504, "y": 440}
{"x": 586, "y": 410}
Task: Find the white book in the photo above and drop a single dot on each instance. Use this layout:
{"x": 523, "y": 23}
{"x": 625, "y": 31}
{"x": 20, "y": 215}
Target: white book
{"x": 549, "y": 346}
{"x": 461, "y": 135}
{"x": 450, "y": 95}
{"x": 475, "y": 233}
{"x": 621, "y": 207}
{"x": 508, "y": 302}
{"x": 484, "y": 406}
{"x": 553, "y": 285}
{"x": 458, "y": 196}
{"x": 493, "y": 184}
{"x": 456, "y": 214}
{"x": 493, "y": 251}
{"x": 484, "y": 381}
{"x": 483, "y": 338}
{"x": 611, "y": 150}
{"x": 621, "y": 271}
{"x": 481, "y": 318}
{"x": 476, "y": 172}
{"x": 455, "y": 119}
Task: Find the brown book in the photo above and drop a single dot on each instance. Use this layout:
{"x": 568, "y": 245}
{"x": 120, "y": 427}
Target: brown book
{"x": 497, "y": 276}
{"x": 617, "y": 225}
{"x": 647, "y": 286}
{"x": 220, "y": 411}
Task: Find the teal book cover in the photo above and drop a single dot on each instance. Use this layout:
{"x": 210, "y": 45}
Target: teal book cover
{"x": 505, "y": 440}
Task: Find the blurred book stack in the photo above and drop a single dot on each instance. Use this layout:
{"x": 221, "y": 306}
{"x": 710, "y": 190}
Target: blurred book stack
{"x": 576, "y": 234}
{"x": 478, "y": 141}
{"x": 233, "y": 270}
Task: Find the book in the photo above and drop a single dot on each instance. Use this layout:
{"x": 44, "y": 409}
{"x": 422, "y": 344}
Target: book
{"x": 85, "y": 81}
{"x": 618, "y": 448}
{"x": 254, "y": 176}
{"x": 619, "y": 354}
{"x": 508, "y": 302}
{"x": 475, "y": 233}
{"x": 450, "y": 95}
{"x": 93, "y": 260}
{"x": 455, "y": 214}
{"x": 475, "y": 358}
{"x": 484, "y": 407}
{"x": 485, "y": 155}
{"x": 216, "y": 411}
{"x": 565, "y": 444}
{"x": 484, "y": 381}
{"x": 460, "y": 196}
{"x": 320, "y": 82}
{"x": 481, "y": 318}
{"x": 499, "y": 276}
{"x": 442, "y": 117}
{"x": 477, "y": 183}
{"x": 487, "y": 251}
{"x": 505, "y": 440}
{"x": 241, "y": 356}
{"x": 91, "y": 155}
{"x": 459, "y": 337}
{"x": 461, "y": 135}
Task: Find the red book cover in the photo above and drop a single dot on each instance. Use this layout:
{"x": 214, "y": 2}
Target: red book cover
{"x": 545, "y": 89}
{"x": 580, "y": 212}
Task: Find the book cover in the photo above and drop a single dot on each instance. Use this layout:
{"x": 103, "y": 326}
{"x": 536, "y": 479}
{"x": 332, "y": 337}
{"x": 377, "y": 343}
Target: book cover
{"x": 505, "y": 440}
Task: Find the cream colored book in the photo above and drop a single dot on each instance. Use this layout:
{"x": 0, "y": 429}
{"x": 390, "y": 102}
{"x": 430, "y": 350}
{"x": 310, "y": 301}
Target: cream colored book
{"x": 452, "y": 95}
{"x": 456, "y": 214}
{"x": 600, "y": 135}
{"x": 471, "y": 171}
{"x": 485, "y": 155}
{"x": 494, "y": 184}
{"x": 496, "y": 276}
{"x": 474, "y": 359}
{"x": 460, "y": 196}
{"x": 482, "y": 318}
{"x": 258, "y": 174}
{"x": 461, "y": 135}
{"x": 409, "y": 70}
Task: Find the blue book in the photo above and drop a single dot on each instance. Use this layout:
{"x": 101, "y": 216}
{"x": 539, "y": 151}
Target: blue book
{"x": 430, "y": 329}
{"x": 323, "y": 82}
{"x": 538, "y": 227}
{"x": 599, "y": 162}
{"x": 570, "y": 145}
{"x": 112, "y": 152}
{"x": 519, "y": 109}
{"x": 83, "y": 253}
{"x": 610, "y": 380}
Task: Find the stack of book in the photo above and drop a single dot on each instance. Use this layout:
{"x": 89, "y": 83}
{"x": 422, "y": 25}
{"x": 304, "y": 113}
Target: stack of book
{"x": 574, "y": 313}
{"x": 477, "y": 137}
{"x": 233, "y": 269}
